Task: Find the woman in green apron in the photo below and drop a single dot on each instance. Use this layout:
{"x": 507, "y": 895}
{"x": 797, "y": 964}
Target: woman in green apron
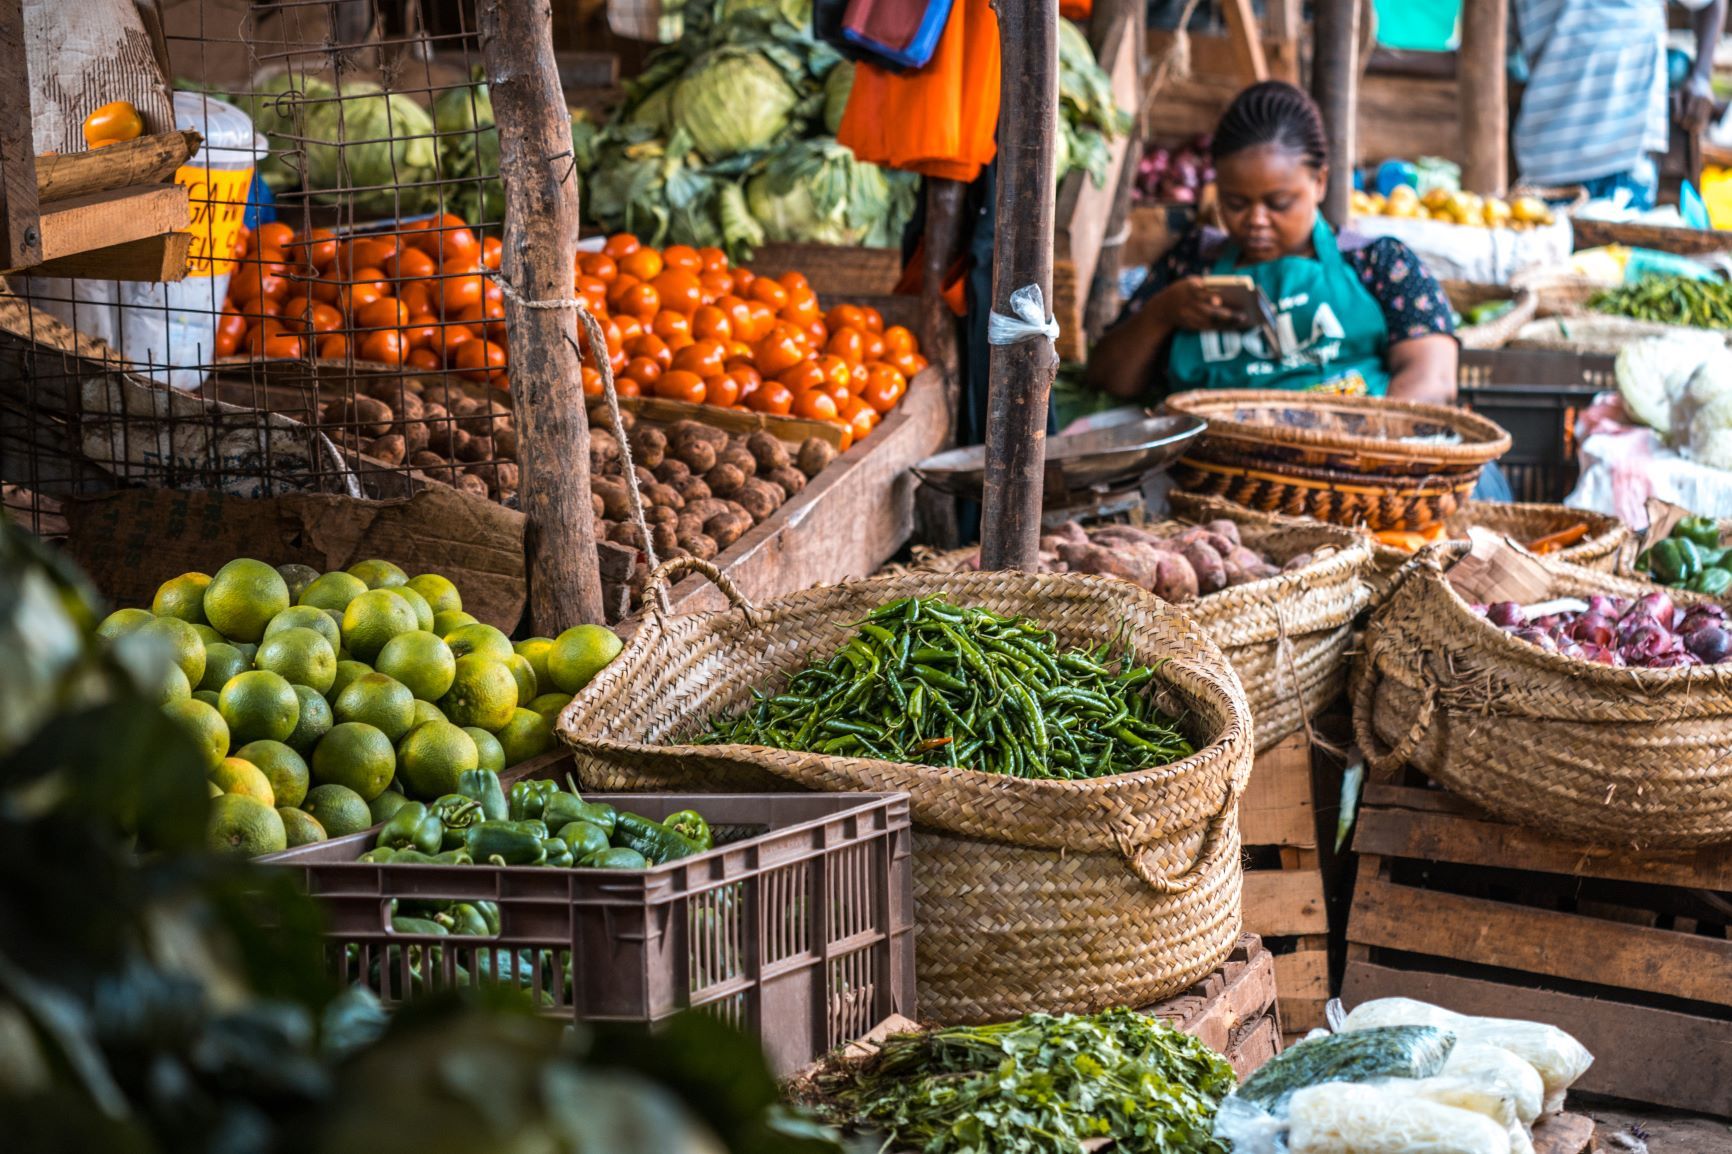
{"x": 1354, "y": 316}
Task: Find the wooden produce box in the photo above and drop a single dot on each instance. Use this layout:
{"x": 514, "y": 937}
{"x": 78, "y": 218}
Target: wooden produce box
{"x": 1232, "y": 1010}
{"x": 1626, "y": 950}
{"x": 1284, "y": 894}
{"x": 845, "y": 274}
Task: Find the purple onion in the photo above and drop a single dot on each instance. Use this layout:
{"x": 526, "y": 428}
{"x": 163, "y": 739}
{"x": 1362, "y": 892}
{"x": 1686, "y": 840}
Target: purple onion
{"x": 1657, "y": 606}
{"x": 1606, "y": 606}
{"x": 1710, "y": 643}
{"x": 1506, "y": 614}
{"x": 1594, "y": 628}
{"x": 1537, "y": 637}
{"x": 1643, "y": 638}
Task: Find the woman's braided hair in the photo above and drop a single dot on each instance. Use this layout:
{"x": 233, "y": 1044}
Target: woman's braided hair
{"x": 1273, "y": 112}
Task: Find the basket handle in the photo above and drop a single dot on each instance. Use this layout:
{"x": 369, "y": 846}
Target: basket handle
{"x": 1209, "y": 854}
{"x": 1364, "y": 697}
{"x": 663, "y": 579}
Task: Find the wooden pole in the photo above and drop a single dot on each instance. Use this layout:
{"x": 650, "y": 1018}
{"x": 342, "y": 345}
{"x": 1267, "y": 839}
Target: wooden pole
{"x": 1335, "y": 85}
{"x": 1483, "y": 95}
{"x": 1246, "y": 39}
{"x": 541, "y": 189}
{"x": 1021, "y": 374}
{"x": 935, "y": 512}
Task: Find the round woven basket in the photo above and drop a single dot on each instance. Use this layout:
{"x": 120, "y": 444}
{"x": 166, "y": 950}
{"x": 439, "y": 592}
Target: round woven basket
{"x": 1285, "y": 636}
{"x": 1343, "y": 499}
{"x": 1613, "y": 756}
{"x": 1493, "y": 334}
{"x": 1030, "y": 894}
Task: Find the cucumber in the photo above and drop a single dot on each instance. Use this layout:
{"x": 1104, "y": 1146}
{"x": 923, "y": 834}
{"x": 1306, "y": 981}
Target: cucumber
{"x": 1383, "y": 1052}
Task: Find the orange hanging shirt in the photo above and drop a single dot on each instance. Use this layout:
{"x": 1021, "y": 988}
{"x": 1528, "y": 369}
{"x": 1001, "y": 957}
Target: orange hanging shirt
{"x": 942, "y": 120}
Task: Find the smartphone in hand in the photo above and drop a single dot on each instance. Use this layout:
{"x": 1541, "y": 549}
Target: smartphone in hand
{"x": 1252, "y": 308}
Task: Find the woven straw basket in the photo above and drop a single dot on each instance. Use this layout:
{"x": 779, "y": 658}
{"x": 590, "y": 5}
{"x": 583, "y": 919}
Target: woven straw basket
{"x": 1285, "y": 636}
{"x": 1030, "y": 895}
{"x": 1614, "y": 756}
{"x": 1495, "y": 333}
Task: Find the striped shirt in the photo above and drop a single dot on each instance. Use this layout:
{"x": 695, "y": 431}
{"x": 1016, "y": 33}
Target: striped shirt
{"x": 1595, "y": 102}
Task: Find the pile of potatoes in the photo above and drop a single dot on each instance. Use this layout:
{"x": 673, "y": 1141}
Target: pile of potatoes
{"x": 702, "y": 488}
{"x": 434, "y": 426}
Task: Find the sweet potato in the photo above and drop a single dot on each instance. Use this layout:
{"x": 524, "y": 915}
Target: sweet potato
{"x": 1208, "y": 565}
{"x": 815, "y": 454}
{"x": 1105, "y": 562}
{"x": 1071, "y": 531}
{"x": 1297, "y": 561}
{"x": 1222, "y": 527}
{"x": 768, "y": 450}
{"x": 1175, "y": 580}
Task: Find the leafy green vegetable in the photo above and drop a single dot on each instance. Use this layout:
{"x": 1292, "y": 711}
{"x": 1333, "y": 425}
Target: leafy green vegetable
{"x": 837, "y": 86}
{"x": 1672, "y": 300}
{"x": 372, "y": 146}
{"x": 1088, "y": 116}
{"x": 469, "y": 152}
{"x": 1043, "y": 1083}
{"x": 814, "y": 190}
{"x": 732, "y": 100}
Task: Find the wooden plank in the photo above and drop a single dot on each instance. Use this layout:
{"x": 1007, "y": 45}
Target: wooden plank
{"x": 162, "y": 257}
{"x": 1431, "y": 825}
{"x": 1242, "y": 34}
{"x": 587, "y": 69}
{"x": 1536, "y": 941}
{"x": 842, "y": 272}
{"x": 1640, "y": 1053}
{"x": 1279, "y": 903}
{"x": 1277, "y": 808}
{"x": 1483, "y": 97}
{"x": 103, "y": 219}
{"x": 1302, "y": 986}
{"x": 1238, "y": 996}
{"x": 846, "y": 522}
{"x": 1286, "y": 19}
{"x": 791, "y": 429}
{"x": 1254, "y": 1046}
{"x": 20, "y": 236}
{"x": 147, "y": 160}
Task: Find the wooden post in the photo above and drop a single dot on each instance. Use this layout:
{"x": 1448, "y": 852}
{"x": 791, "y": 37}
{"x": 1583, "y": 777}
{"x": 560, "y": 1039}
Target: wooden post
{"x": 1021, "y": 374}
{"x": 535, "y": 166}
{"x": 1246, "y": 39}
{"x": 1335, "y": 85}
{"x": 935, "y": 512}
{"x": 20, "y": 237}
{"x": 1483, "y": 95}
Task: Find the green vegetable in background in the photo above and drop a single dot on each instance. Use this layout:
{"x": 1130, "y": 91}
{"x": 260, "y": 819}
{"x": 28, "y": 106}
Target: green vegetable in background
{"x": 815, "y": 191}
{"x": 372, "y": 147}
{"x": 469, "y": 153}
{"x": 656, "y": 842}
{"x": 503, "y": 843}
{"x": 1704, "y": 531}
{"x": 1672, "y": 300}
{"x": 1089, "y": 118}
{"x": 413, "y": 826}
{"x": 690, "y": 824}
{"x": 732, "y": 100}
{"x": 1041, "y": 1083}
{"x": 483, "y": 786}
{"x": 529, "y": 798}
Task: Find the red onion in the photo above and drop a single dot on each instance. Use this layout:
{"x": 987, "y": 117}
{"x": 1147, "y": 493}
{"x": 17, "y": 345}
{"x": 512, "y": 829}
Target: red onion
{"x": 1506, "y": 614}
{"x": 1655, "y": 605}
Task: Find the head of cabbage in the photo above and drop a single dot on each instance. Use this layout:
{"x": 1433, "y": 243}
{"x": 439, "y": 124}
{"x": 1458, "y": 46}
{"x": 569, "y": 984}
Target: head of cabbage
{"x": 837, "y": 85}
{"x": 378, "y": 143}
{"x": 732, "y": 100}
{"x": 817, "y": 191}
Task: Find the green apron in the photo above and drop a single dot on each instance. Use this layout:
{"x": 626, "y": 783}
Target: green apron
{"x": 1332, "y": 330}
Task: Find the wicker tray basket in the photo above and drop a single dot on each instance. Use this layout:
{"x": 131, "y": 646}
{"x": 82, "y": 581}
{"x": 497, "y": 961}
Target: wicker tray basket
{"x": 1493, "y": 334}
{"x": 1347, "y": 460}
{"x": 1030, "y": 894}
{"x": 1285, "y": 636}
{"x": 1616, "y": 756}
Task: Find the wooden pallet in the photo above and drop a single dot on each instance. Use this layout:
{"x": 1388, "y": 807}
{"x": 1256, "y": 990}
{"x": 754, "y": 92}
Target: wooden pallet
{"x": 1232, "y": 1011}
{"x": 1627, "y": 951}
{"x": 1284, "y": 896}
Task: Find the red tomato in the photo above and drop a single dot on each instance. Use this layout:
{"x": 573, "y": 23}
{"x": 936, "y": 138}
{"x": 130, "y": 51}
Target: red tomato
{"x": 481, "y": 360}
{"x": 679, "y": 385}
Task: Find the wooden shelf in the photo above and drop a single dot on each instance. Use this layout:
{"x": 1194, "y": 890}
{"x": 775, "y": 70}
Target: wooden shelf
{"x": 107, "y": 220}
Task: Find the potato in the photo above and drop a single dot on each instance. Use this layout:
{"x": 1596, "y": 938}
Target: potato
{"x": 664, "y": 496}
{"x": 740, "y": 458}
{"x": 1175, "y": 580}
{"x": 432, "y": 411}
{"x": 700, "y": 546}
{"x": 700, "y": 455}
{"x": 1297, "y": 561}
{"x": 367, "y": 416}
{"x": 389, "y": 449}
{"x": 727, "y": 527}
{"x": 790, "y": 479}
{"x": 415, "y": 434}
{"x": 596, "y": 502}
{"x": 467, "y": 483}
{"x": 815, "y": 454}
{"x": 768, "y": 450}
{"x": 661, "y": 515}
{"x": 1208, "y": 565}
{"x": 691, "y": 489}
{"x": 648, "y": 447}
{"x": 449, "y": 441}
{"x": 604, "y": 451}
{"x": 483, "y": 417}
{"x": 505, "y": 441}
{"x": 476, "y": 449}
{"x": 616, "y": 501}
{"x": 664, "y": 538}
{"x": 498, "y": 474}
{"x": 689, "y": 525}
{"x": 626, "y": 533}
{"x": 422, "y": 459}
{"x": 697, "y": 430}
{"x": 760, "y": 498}
{"x": 672, "y": 469}
{"x": 707, "y": 507}
{"x": 724, "y": 480}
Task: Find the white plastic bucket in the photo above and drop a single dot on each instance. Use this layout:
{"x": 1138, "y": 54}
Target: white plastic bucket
{"x": 168, "y": 330}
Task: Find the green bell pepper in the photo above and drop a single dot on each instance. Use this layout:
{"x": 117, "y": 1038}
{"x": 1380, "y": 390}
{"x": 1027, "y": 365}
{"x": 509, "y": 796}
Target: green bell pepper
{"x": 616, "y": 858}
{"x": 653, "y": 840}
{"x": 416, "y": 857}
{"x": 583, "y": 838}
{"x": 413, "y": 826}
{"x": 463, "y": 918}
{"x": 1712, "y": 581}
{"x": 403, "y": 925}
{"x": 1675, "y": 561}
{"x": 504, "y": 843}
{"x": 458, "y": 812}
{"x": 378, "y": 855}
{"x": 599, "y": 814}
{"x": 558, "y": 853}
{"x": 562, "y": 809}
{"x": 1703, "y": 532}
{"x": 489, "y": 912}
{"x": 690, "y": 824}
{"x": 483, "y": 785}
{"x": 529, "y": 798}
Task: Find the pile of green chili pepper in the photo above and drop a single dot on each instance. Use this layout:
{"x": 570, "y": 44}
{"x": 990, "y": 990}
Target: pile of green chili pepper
{"x": 1672, "y": 300}
{"x": 1691, "y": 557}
{"x": 933, "y": 683}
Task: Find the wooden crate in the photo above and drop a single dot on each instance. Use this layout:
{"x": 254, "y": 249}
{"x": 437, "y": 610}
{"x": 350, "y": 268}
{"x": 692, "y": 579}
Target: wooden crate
{"x": 1232, "y": 1011}
{"x": 1284, "y": 894}
{"x": 1627, "y": 951}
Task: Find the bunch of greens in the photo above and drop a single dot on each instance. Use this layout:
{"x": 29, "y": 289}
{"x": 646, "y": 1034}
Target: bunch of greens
{"x": 933, "y": 683}
{"x": 1043, "y": 1083}
{"x": 175, "y": 1001}
{"x": 727, "y": 139}
{"x": 1089, "y": 119}
{"x": 1671, "y": 300}
{"x": 469, "y": 153}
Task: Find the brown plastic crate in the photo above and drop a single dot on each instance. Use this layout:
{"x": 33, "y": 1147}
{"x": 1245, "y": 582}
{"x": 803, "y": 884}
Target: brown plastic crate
{"x": 798, "y": 928}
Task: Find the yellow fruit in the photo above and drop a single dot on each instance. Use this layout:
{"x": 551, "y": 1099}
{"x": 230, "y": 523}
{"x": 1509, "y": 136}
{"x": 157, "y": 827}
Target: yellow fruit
{"x": 301, "y": 657}
{"x": 339, "y": 809}
{"x": 483, "y": 640}
{"x": 487, "y": 748}
{"x": 222, "y": 662}
{"x": 579, "y": 654}
{"x": 386, "y": 804}
{"x": 300, "y": 827}
{"x": 242, "y": 826}
{"x": 448, "y": 621}
{"x": 1530, "y": 210}
{"x": 379, "y": 701}
{"x": 423, "y": 611}
{"x": 333, "y": 591}
{"x": 528, "y": 688}
{"x": 179, "y": 641}
{"x": 282, "y": 767}
{"x": 426, "y": 711}
{"x": 439, "y": 592}
{"x": 357, "y": 756}
{"x": 243, "y": 597}
{"x": 121, "y": 622}
{"x": 374, "y": 618}
{"x": 379, "y": 574}
{"x": 483, "y": 693}
{"x": 306, "y": 617}
{"x": 534, "y": 650}
{"x": 259, "y": 704}
{"x": 204, "y": 725}
{"x": 432, "y": 756}
{"x": 182, "y": 597}
{"x": 314, "y": 722}
{"x": 551, "y": 705}
{"x": 1436, "y": 198}
{"x": 1360, "y": 203}
{"x": 526, "y": 735}
{"x": 171, "y": 687}
{"x": 420, "y": 661}
{"x": 209, "y": 636}
{"x": 347, "y": 672}
{"x": 297, "y": 577}
{"x": 235, "y": 775}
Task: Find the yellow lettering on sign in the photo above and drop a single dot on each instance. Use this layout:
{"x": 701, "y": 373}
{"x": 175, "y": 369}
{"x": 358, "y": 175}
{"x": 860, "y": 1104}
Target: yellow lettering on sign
{"x": 218, "y": 200}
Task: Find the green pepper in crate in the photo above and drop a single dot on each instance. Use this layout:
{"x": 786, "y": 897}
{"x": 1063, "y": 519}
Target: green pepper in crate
{"x": 483, "y": 785}
{"x": 1712, "y": 581}
{"x": 599, "y": 814}
{"x": 557, "y": 853}
{"x": 503, "y": 843}
{"x": 655, "y": 841}
{"x": 690, "y": 824}
{"x": 617, "y": 858}
{"x": 425, "y": 926}
{"x": 416, "y": 857}
{"x": 583, "y": 838}
{"x": 464, "y": 919}
{"x": 562, "y": 809}
{"x": 529, "y": 798}
{"x": 378, "y": 855}
{"x": 413, "y": 826}
{"x": 1703, "y": 531}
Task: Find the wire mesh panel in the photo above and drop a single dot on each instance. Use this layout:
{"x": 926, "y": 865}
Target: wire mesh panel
{"x": 336, "y": 330}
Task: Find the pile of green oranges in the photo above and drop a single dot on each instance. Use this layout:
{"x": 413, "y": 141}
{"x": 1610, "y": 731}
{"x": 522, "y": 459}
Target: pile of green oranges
{"x": 324, "y": 701}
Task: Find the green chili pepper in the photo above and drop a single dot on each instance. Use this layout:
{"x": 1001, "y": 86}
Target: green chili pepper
{"x": 378, "y": 855}
{"x": 423, "y": 926}
{"x": 654, "y": 840}
{"x": 412, "y": 827}
{"x": 483, "y": 785}
{"x": 690, "y": 824}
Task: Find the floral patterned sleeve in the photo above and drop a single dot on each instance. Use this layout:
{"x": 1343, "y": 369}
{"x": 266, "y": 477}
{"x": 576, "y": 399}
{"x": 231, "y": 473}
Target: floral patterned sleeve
{"x": 1185, "y": 258}
{"x": 1414, "y": 304}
